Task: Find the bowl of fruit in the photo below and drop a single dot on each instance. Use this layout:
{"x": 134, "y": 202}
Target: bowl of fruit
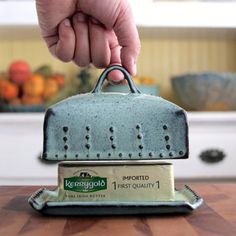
{"x": 144, "y": 83}
{"x": 22, "y": 90}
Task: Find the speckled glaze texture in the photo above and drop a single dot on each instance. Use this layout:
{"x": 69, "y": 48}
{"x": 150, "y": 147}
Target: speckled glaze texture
{"x": 206, "y": 91}
{"x": 115, "y": 126}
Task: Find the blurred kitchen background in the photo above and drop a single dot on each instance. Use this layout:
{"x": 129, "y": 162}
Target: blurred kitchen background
{"x": 188, "y": 56}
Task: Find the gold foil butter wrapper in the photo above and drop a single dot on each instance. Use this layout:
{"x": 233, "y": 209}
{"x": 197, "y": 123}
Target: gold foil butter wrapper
{"x": 102, "y": 181}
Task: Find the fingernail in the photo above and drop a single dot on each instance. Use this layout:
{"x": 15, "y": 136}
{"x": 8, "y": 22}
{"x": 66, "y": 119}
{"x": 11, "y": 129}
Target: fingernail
{"x": 115, "y": 76}
{"x": 67, "y": 23}
{"x": 119, "y": 82}
{"x": 81, "y": 17}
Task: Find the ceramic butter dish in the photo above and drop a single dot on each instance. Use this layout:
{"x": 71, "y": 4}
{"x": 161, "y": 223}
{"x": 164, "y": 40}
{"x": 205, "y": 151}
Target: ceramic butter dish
{"x": 110, "y": 148}
{"x": 115, "y": 126}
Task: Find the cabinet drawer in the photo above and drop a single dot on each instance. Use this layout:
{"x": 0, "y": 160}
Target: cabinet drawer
{"x": 212, "y": 147}
{"x": 21, "y": 144}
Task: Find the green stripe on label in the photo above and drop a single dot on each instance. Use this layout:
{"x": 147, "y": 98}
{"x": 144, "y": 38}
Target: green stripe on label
{"x": 85, "y": 184}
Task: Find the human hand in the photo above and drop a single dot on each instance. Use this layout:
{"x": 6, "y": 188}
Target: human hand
{"x": 101, "y": 32}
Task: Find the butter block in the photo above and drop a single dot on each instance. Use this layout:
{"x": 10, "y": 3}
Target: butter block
{"x": 119, "y": 181}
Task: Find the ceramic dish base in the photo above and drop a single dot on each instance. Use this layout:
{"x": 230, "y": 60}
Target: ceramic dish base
{"x": 46, "y": 202}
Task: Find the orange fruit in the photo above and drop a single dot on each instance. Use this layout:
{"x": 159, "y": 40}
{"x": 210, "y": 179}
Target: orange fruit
{"x": 136, "y": 80}
{"x": 147, "y": 80}
{"x": 34, "y": 87}
{"x": 8, "y": 90}
{"x": 51, "y": 88}
{"x": 60, "y": 79}
{"x": 19, "y": 72}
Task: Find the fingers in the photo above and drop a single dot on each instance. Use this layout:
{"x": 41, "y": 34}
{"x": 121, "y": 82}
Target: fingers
{"x": 117, "y": 15}
{"x": 85, "y": 44}
{"x": 82, "y": 48}
{"x": 56, "y": 28}
{"x": 128, "y": 39}
{"x": 115, "y": 76}
{"x": 114, "y": 48}
{"x": 65, "y": 46}
{"x": 99, "y": 45}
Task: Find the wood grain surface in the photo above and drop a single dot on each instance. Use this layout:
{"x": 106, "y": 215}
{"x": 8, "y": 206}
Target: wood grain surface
{"x": 217, "y": 216}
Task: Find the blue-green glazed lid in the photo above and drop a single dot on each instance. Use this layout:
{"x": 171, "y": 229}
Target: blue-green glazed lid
{"x": 115, "y": 126}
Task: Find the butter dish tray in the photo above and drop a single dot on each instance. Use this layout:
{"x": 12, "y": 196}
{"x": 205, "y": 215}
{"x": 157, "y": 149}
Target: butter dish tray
{"x": 47, "y": 202}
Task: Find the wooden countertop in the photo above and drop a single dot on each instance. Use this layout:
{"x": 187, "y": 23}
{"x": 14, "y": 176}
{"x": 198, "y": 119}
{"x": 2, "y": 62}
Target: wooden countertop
{"x": 217, "y": 216}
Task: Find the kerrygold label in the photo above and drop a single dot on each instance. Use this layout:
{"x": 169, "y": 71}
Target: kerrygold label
{"x": 150, "y": 182}
{"x": 85, "y": 184}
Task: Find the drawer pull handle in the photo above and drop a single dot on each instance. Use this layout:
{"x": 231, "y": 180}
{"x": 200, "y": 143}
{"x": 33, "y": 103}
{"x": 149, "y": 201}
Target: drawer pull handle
{"x": 212, "y": 156}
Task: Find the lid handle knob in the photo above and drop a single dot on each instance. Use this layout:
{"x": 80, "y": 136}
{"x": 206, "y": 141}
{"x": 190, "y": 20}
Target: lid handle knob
{"x": 132, "y": 86}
